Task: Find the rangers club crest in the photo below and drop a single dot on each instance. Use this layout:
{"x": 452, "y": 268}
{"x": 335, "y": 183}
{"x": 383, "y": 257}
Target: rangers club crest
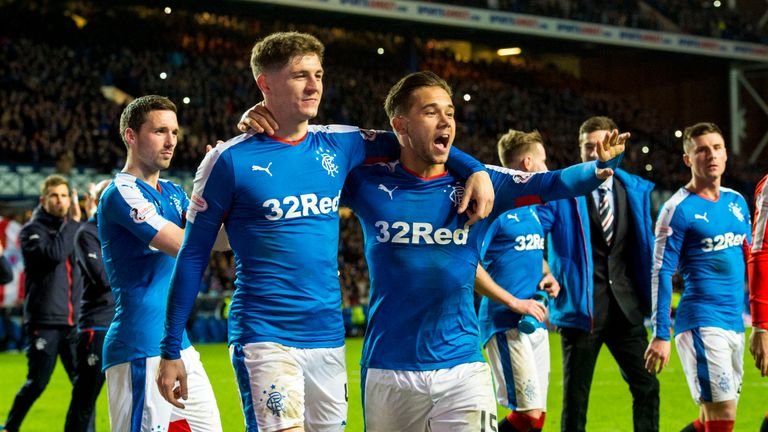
{"x": 328, "y": 161}
{"x": 456, "y": 194}
{"x": 736, "y": 210}
{"x": 273, "y": 400}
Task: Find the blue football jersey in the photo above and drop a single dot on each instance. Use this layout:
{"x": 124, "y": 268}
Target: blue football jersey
{"x": 279, "y": 202}
{"x": 130, "y": 214}
{"x": 706, "y": 241}
{"x": 512, "y": 252}
{"x": 422, "y": 257}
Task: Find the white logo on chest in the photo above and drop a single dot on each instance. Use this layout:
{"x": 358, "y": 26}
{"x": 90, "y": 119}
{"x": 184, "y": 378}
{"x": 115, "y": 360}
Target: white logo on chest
{"x": 513, "y": 216}
{"x": 388, "y": 191}
{"x": 456, "y": 194}
{"x": 702, "y": 217}
{"x": 736, "y": 210}
{"x": 265, "y": 169}
{"x": 328, "y": 161}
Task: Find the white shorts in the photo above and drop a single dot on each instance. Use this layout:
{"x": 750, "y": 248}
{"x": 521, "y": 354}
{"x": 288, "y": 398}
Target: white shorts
{"x": 520, "y": 366}
{"x": 135, "y": 403}
{"x": 283, "y": 387}
{"x": 713, "y": 362}
{"x": 455, "y": 399}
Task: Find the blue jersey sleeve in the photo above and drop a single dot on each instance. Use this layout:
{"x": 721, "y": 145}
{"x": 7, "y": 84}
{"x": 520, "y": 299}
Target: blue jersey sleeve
{"x": 127, "y": 206}
{"x": 370, "y": 146}
{"x": 382, "y": 146}
{"x": 518, "y": 188}
{"x": 463, "y": 164}
{"x": 211, "y": 199}
{"x": 670, "y": 233}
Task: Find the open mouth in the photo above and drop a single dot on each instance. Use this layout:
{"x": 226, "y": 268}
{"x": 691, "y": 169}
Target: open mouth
{"x": 442, "y": 141}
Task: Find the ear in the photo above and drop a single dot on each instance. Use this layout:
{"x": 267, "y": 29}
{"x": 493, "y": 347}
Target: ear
{"x": 130, "y": 136}
{"x": 526, "y": 163}
{"x": 42, "y": 199}
{"x": 399, "y": 125}
{"x": 686, "y": 160}
{"x": 261, "y": 82}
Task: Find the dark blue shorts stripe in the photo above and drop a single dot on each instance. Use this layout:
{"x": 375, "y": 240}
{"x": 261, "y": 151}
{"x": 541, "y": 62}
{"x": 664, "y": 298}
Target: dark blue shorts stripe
{"x": 363, "y": 376}
{"x": 244, "y": 384}
{"x": 702, "y": 369}
{"x": 506, "y": 367}
{"x": 138, "y": 383}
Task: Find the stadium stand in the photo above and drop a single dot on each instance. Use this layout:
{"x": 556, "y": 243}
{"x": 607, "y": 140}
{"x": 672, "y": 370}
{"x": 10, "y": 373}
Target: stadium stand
{"x": 694, "y": 17}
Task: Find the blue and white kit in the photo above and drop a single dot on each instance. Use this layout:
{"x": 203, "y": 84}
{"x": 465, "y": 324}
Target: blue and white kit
{"x": 422, "y": 257}
{"x": 519, "y": 362}
{"x": 279, "y": 203}
{"x": 131, "y": 213}
{"x": 705, "y": 241}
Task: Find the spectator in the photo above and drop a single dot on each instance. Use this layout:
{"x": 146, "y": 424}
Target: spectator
{"x": 53, "y": 290}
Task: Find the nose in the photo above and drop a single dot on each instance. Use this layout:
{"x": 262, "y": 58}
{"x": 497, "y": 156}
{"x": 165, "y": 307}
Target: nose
{"x": 445, "y": 120}
{"x": 313, "y": 84}
{"x": 170, "y": 140}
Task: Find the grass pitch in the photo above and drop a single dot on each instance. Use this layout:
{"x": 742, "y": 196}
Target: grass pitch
{"x": 610, "y": 405}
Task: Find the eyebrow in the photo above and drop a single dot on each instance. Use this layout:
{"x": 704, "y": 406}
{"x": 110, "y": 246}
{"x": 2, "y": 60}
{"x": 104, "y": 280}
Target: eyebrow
{"x": 436, "y": 105}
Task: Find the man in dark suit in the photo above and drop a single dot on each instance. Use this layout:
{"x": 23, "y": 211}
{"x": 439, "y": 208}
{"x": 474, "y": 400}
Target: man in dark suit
{"x": 600, "y": 252}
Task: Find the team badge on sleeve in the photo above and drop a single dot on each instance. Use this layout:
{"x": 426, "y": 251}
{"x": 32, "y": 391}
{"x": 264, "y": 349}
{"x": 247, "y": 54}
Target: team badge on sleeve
{"x": 139, "y": 215}
{"x": 368, "y": 134}
{"x": 198, "y": 203}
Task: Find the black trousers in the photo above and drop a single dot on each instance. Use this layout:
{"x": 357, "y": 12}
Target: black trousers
{"x": 627, "y": 343}
{"x": 45, "y": 345}
{"x": 88, "y": 381}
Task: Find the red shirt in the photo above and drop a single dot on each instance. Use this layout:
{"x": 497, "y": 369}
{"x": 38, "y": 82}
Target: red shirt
{"x": 758, "y": 259}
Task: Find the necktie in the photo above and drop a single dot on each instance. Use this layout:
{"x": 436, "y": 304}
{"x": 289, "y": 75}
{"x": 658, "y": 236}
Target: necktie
{"x": 606, "y": 214}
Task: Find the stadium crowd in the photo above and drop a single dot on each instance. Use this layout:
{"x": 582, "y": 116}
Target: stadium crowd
{"x": 694, "y": 17}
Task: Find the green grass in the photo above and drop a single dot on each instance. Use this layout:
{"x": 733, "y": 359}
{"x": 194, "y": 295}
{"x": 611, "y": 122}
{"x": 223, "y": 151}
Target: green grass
{"x": 610, "y": 403}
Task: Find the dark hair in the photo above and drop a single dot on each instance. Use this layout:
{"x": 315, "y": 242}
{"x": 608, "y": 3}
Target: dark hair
{"x": 398, "y": 99}
{"x": 514, "y": 143}
{"x": 135, "y": 114}
{"x": 276, "y": 50}
{"x": 696, "y": 131}
{"x": 597, "y": 123}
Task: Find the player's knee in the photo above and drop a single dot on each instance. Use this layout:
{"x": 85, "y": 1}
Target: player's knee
{"x": 725, "y": 410}
{"x": 534, "y": 413}
{"x": 35, "y": 387}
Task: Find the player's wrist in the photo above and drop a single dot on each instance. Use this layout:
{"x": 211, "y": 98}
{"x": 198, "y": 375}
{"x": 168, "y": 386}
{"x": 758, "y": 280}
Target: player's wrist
{"x": 169, "y": 355}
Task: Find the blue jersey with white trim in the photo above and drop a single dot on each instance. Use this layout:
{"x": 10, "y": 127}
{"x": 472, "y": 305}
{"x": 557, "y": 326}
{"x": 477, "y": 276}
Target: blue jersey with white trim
{"x": 513, "y": 252}
{"x": 279, "y": 203}
{"x": 422, "y": 257}
{"x": 130, "y": 214}
{"x": 705, "y": 240}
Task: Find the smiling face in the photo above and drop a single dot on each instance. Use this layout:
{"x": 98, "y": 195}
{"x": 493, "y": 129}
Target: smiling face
{"x": 293, "y": 92}
{"x": 153, "y": 144}
{"x": 426, "y": 130}
{"x": 706, "y": 156}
